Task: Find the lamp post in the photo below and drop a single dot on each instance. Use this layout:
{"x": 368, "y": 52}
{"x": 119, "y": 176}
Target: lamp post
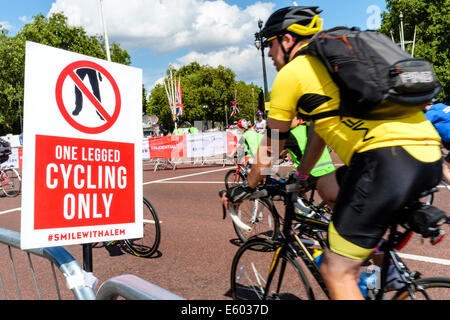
{"x": 259, "y": 46}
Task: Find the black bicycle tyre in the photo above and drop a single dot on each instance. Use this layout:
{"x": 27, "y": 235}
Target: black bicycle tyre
{"x": 13, "y": 188}
{"x": 271, "y": 215}
{"x": 230, "y": 175}
{"x": 261, "y": 246}
{"x": 146, "y": 250}
{"x": 426, "y": 284}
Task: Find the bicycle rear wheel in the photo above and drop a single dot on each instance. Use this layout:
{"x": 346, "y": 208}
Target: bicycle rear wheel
{"x": 233, "y": 178}
{"x": 435, "y": 288}
{"x": 11, "y": 182}
{"x": 147, "y": 245}
{"x": 250, "y": 268}
{"x": 259, "y": 219}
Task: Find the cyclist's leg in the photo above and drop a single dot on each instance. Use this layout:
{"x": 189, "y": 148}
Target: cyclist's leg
{"x": 341, "y": 276}
{"x": 375, "y": 186}
{"x": 328, "y": 189}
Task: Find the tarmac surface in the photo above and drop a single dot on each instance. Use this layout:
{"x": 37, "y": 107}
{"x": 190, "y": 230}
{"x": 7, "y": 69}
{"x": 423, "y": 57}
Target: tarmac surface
{"x": 197, "y": 246}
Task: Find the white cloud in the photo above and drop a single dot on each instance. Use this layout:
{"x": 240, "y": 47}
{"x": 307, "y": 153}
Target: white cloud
{"x": 211, "y": 32}
{"x": 245, "y": 62}
{"x": 26, "y": 19}
{"x": 6, "y": 25}
{"x": 167, "y": 25}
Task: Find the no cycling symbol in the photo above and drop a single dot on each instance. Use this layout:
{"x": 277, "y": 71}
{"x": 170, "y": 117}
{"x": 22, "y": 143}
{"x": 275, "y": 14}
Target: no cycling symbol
{"x": 77, "y": 71}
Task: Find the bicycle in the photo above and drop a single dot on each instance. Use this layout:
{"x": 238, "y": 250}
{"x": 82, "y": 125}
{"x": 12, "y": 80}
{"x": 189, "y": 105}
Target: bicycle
{"x": 10, "y": 182}
{"x": 237, "y": 176}
{"x": 286, "y": 278}
{"x": 259, "y": 217}
{"x": 149, "y": 243}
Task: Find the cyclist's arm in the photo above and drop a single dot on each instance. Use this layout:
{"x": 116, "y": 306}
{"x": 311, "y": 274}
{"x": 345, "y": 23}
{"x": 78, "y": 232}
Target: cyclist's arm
{"x": 268, "y": 149}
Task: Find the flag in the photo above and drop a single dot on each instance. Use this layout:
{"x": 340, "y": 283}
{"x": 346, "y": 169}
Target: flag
{"x": 174, "y": 95}
{"x": 234, "y": 106}
{"x": 179, "y": 100}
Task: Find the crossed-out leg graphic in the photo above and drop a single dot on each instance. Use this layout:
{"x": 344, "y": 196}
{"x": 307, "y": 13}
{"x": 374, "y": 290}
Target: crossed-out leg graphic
{"x": 93, "y": 80}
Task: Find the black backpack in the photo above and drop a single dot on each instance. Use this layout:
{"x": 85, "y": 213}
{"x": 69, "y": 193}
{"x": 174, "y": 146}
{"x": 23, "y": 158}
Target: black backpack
{"x": 371, "y": 70}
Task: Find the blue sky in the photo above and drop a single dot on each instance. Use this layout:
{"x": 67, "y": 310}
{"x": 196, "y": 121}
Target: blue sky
{"x": 159, "y": 32}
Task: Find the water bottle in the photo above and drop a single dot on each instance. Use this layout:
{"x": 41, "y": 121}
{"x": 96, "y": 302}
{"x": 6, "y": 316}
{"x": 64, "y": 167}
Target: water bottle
{"x": 369, "y": 281}
{"x": 318, "y": 256}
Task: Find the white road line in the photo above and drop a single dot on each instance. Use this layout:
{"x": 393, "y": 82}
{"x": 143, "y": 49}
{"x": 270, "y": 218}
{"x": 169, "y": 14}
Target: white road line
{"x": 158, "y": 181}
{"x": 424, "y": 259}
{"x": 167, "y": 180}
{"x": 193, "y": 182}
{"x": 185, "y": 176}
{"x": 10, "y": 210}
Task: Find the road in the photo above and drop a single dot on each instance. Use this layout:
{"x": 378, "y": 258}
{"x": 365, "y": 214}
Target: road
{"x": 197, "y": 246}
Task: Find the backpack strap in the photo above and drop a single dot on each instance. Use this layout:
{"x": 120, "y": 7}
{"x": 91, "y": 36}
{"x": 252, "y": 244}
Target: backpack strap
{"x": 326, "y": 114}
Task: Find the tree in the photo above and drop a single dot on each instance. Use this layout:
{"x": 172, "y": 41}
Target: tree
{"x": 53, "y": 31}
{"x": 206, "y": 92}
{"x": 12, "y": 56}
{"x": 432, "y": 18}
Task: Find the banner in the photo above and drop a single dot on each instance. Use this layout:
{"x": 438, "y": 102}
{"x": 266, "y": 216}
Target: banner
{"x": 167, "y": 147}
{"x": 192, "y": 145}
{"x": 145, "y": 149}
{"x": 206, "y": 144}
{"x": 15, "y": 159}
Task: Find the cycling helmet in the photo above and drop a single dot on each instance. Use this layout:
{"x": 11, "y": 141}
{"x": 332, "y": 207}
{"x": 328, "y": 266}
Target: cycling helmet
{"x": 300, "y": 21}
{"x": 259, "y": 113}
{"x": 242, "y": 124}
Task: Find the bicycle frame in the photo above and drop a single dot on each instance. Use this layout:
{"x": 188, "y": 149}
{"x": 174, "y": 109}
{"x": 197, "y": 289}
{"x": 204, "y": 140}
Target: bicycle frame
{"x": 291, "y": 237}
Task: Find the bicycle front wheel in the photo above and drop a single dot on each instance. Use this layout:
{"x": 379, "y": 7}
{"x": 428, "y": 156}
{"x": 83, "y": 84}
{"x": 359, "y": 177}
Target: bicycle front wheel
{"x": 233, "y": 178}
{"x": 147, "y": 245}
{"x": 258, "y": 218}
{"x": 435, "y": 288}
{"x": 11, "y": 182}
{"x": 250, "y": 269}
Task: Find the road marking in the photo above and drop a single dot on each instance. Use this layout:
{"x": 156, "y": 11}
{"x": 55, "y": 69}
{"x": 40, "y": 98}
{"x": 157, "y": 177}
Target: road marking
{"x": 158, "y": 181}
{"x": 424, "y": 259}
{"x": 194, "y": 182}
{"x": 185, "y": 176}
{"x": 10, "y": 210}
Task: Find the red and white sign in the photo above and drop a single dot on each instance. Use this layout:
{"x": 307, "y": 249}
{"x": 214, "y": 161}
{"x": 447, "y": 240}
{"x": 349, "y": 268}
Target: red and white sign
{"x": 82, "y": 154}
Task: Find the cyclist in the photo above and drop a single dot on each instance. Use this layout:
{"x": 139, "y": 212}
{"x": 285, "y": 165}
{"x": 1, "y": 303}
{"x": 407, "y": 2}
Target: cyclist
{"x": 439, "y": 116}
{"x": 260, "y": 123}
{"x": 387, "y": 162}
{"x": 250, "y": 140}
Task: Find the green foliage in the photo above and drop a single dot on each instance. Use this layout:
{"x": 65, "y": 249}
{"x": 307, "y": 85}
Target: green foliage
{"x": 206, "y": 92}
{"x": 432, "y": 18}
{"x": 53, "y": 31}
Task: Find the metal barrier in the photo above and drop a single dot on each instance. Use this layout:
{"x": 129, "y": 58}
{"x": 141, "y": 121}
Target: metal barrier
{"x": 78, "y": 281}
{"x": 131, "y": 287}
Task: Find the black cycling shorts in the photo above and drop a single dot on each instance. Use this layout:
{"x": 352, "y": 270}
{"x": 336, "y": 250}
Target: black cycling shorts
{"x": 373, "y": 188}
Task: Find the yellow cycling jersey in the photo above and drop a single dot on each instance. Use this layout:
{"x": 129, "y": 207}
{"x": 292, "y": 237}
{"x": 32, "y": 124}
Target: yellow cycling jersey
{"x": 304, "y": 85}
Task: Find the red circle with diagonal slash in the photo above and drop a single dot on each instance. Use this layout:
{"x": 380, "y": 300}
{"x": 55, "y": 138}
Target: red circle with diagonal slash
{"x": 69, "y": 71}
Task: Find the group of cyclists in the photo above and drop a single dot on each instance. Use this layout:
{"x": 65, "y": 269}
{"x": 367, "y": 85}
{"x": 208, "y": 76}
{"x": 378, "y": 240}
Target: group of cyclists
{"x": 404, "y": 154}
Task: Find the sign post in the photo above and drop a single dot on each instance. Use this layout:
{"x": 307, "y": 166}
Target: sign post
{"x": 82, "y": 152}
